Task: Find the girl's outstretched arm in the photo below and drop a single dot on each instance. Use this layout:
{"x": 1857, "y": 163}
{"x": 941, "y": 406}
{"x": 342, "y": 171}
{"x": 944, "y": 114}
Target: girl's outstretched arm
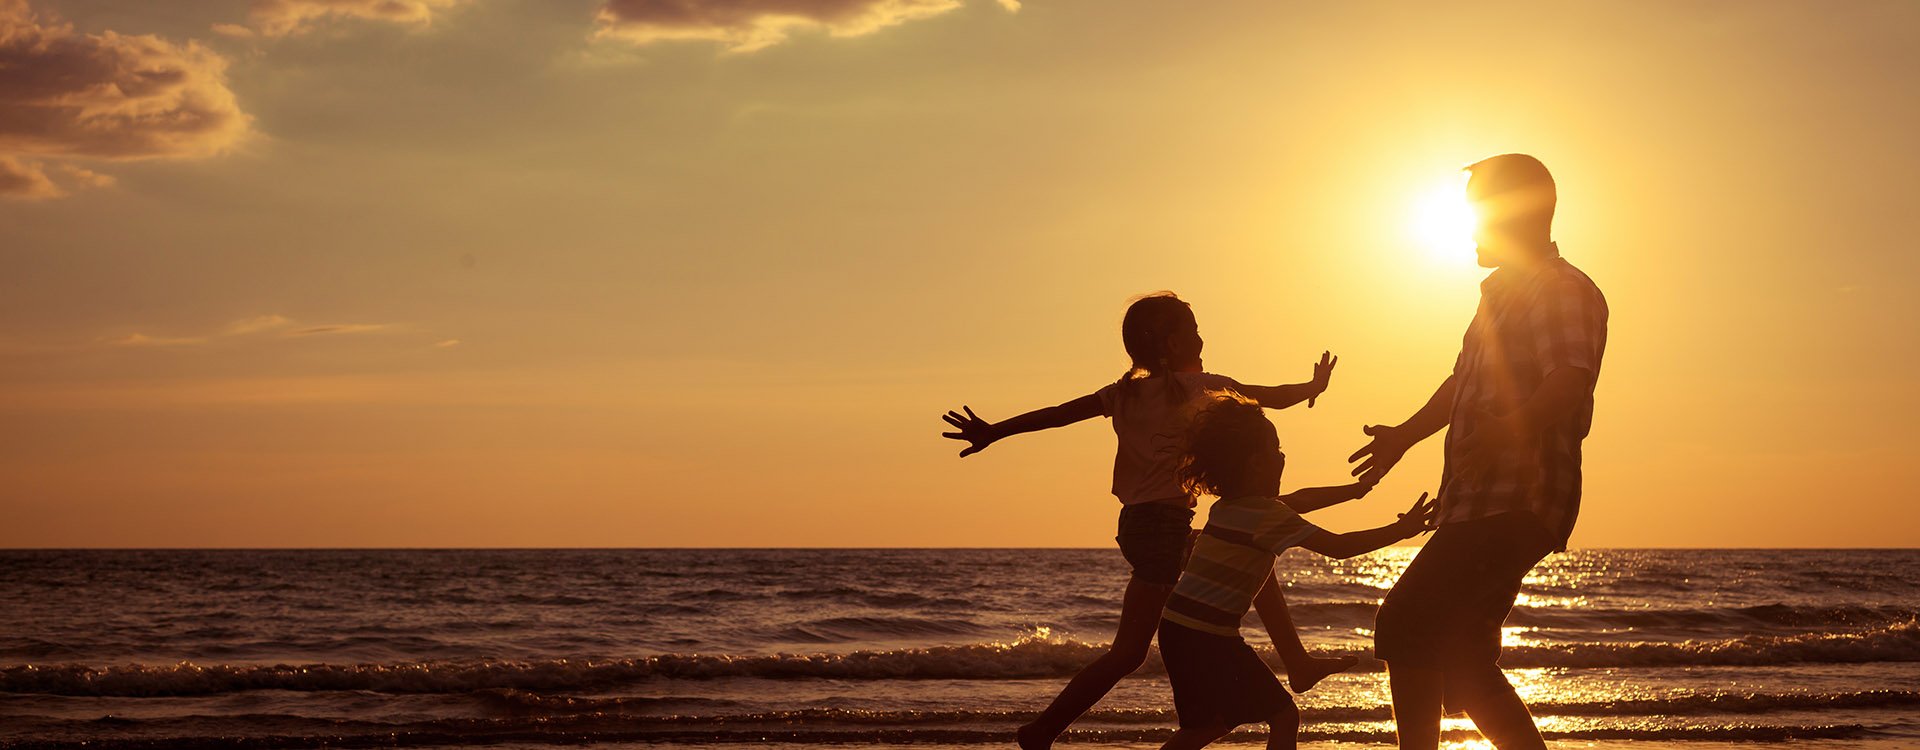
{"x": 980, "y": 433}
{"x": 1314, "y": 498}
{"x": 1283, "y": 396}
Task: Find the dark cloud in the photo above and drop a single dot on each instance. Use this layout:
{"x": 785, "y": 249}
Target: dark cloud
{"x": 747, "y": 25}
{"x": 108, "y": 96}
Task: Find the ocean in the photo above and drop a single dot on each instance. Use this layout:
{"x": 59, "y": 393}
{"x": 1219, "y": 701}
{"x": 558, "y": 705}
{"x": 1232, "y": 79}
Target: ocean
{"x": 862, "y": 648}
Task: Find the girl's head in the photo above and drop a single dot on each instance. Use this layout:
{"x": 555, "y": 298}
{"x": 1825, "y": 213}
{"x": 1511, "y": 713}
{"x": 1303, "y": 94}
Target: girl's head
{"x": 1161, "y": 337}
{"x": 1230, "y": 449}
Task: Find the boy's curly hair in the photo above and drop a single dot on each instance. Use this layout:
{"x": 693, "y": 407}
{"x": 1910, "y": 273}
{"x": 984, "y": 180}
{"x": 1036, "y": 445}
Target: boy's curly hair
{"x": 1224, "y": 430}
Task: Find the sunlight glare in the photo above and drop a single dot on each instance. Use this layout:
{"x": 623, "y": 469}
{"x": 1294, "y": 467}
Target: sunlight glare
{"x": 1442, "y": 220}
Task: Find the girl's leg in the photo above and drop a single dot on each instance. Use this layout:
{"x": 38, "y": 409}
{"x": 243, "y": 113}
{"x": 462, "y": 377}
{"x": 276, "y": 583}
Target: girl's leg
{"x": 1194, "y": 738}
{"x": 1139, "y": 619}
{"x": 1303, "y": 669}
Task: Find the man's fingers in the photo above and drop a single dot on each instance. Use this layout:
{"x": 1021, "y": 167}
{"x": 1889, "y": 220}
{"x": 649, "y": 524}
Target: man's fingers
{"x": 970, "y": 450}
{"x": 955, "y": 421}
{"x": 954, "y": 435}
{"x": 1364, "y": 450}
{"x": 970, "y": 413}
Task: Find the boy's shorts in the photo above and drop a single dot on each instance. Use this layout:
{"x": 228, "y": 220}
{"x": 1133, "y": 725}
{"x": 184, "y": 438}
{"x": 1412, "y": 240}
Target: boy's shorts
{"x": 1446, "y": 610}
{"x": 1154, "y": 539}
{"x": 1219, "y": 681}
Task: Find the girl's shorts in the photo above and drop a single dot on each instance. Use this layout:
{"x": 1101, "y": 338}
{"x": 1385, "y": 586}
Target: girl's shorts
{"x": 1154, "y": 538}
{"x": 1218, "y": 681}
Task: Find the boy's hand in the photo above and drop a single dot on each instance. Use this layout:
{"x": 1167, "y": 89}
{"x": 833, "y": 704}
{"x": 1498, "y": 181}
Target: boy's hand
{"x": 1322, "y": 375}
{"x": 1419, "y": 518}
{"x": 976, "y": 431}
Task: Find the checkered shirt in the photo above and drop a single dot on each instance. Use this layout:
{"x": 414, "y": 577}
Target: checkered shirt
{"x": 1530, "y": 323}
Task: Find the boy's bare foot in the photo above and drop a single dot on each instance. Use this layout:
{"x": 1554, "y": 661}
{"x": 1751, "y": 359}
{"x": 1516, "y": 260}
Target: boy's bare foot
{"x": 1316, "y": 669}
{"x": 1031, "y": 738}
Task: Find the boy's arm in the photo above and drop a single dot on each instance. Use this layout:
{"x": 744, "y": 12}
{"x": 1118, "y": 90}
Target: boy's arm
{"x": 1283, "y": 396}
{"x": 979, "y": 433}
{"x": 1411, "y": 524}
{"x": 1309, "y": 499}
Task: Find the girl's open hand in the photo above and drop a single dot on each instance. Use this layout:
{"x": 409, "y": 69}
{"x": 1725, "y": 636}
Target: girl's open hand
{"x": 970, "y": 427}
{"x": 1322, "y": 375}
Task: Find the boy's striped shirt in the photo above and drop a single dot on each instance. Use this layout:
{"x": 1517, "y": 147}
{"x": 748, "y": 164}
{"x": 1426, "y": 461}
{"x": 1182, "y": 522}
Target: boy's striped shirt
{"x": 1231, "y": 559}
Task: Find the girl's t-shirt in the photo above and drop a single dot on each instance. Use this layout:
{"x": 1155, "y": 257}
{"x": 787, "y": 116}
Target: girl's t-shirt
{"x": 1147, "y": 418}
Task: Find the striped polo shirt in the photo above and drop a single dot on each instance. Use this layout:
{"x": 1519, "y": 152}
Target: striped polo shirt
{"x": 1231, "y": 559}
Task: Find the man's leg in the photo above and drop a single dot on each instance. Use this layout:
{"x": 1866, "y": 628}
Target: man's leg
{"x": 1495, "y": 708}
{"x": 1417, "y": 695}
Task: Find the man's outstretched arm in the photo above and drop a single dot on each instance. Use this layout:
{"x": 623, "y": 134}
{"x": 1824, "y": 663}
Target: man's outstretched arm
{"x": 1390, "y": 443}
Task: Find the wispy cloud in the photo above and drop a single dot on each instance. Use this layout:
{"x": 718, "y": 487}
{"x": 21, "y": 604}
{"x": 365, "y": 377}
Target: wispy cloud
{"x": 276, "y": 18}
{"x": 339, "y": 328}
{"x": 143, "y": 340}
{"x": 257, "y": 324}
{"x": 748, "y": 25}
{"x": 254, "y": 327}
{"x": 107, "y": 96}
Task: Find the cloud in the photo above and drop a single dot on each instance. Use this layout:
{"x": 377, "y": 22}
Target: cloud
{"x": 141, "y": 339}
{"x": 26, "y": 180}
{"x": 339, "y": 328}
{"x": 446, "y": 344}
{"x": 257, "y": 324}
{"x": 276, "y": 326}
{"x": 748, "y": 25}
{"x": 275, "y": 18}
{"x": 105, "y": 96}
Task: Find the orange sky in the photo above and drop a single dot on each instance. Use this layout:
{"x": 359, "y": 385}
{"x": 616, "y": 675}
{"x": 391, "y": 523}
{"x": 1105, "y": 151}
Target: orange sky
{"x": 480, "y": 272}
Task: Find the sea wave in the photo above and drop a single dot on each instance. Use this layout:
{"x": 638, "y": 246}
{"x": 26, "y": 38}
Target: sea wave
{"x": 646, "y": 711}
{"x": 1025, "y": 658}
{"x": 485, "y": 732}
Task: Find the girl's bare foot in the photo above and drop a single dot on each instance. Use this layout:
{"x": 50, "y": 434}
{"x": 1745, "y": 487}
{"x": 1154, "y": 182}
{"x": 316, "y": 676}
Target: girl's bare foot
{"x": 1315, "y": 669}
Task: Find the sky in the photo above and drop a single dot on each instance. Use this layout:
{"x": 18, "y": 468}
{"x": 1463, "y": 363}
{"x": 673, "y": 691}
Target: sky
{"x": 613, "y": 273}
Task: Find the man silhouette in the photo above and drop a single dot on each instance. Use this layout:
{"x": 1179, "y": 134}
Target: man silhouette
{"x": 1519, "y": 402}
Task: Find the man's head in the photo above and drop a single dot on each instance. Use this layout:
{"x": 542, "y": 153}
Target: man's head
{"x": 1513, "y": 196}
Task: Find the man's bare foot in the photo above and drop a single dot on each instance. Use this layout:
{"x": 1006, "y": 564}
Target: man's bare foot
{"x": 1316, "y": 669}
{"x": 1030, "y": 737}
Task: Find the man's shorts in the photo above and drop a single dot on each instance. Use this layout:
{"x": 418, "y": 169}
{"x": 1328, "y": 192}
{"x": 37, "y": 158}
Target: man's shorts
{"x": 1154, "y": 538}
{"x": 1446, "y": 610}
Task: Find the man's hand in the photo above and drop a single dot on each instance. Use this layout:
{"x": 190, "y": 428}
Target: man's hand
{"x": 1322, "y": 375}
{"x": 1418, "y": 519}
{"x": 977, "y": 432}
{"x": 1385, "y": 450}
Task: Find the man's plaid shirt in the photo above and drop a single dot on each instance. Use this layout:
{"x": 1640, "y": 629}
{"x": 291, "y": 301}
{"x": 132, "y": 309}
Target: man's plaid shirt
{"x": 1530, "y": 323}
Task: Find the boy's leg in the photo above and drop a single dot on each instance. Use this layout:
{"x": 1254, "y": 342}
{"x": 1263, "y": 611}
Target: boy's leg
{"x": 1283, "y": 730}
{"x": 1303, "y": 669}
{"x": 1139, "y": 619}
{"x": 1194, "y": 738}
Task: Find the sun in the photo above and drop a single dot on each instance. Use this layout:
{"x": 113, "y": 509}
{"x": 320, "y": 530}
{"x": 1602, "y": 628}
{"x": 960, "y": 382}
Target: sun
{"x": 1442, "y": 221}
